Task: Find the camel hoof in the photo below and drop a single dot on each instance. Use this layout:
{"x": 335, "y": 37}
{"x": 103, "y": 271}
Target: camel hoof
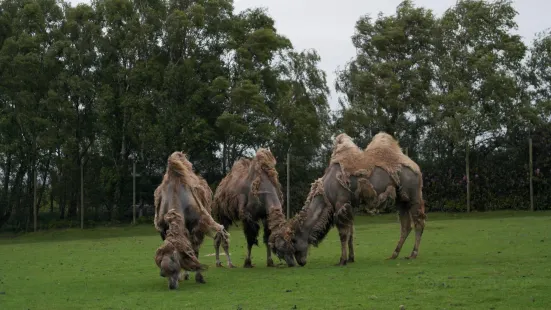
{"x": 393, "y": 256}
{"x": 248, "y": 264}
{"x": 342, "y": 262}
{"x": 219, "y": 264}
{"x": 351, "y": 259}
{"x": 413, "y": 255}
{"x": 199, "y": 278}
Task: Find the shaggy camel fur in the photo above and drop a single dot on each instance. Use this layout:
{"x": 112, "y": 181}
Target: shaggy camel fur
{"x": 374, "y": 175}
{"x": 250, "y": 193}
{"x": 176, "y": 252}
{"x": 188, "y": 194}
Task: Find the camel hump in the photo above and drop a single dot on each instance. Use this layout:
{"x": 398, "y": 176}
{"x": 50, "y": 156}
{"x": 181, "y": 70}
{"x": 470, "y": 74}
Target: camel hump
{"x": 385, "y": 141}
{"x": 383, "y": 151}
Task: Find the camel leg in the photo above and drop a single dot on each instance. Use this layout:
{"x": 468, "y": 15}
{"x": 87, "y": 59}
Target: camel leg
{"x": 196, "y": 244}
{"x": 218, "y": 240}
{"x": 269, "y": 260}
{"x": 251, "y": 234}
{"x": 198, "y": 275}
{"x": 226, "y": 248}
{"x": 405, "y": 223}
{"x": 418, "y": 217}
{"x": 345, "y": 224}
{"x": 351, "y": 245}
{"x": 344, "y": 235}
{"x": 184, "y": 275}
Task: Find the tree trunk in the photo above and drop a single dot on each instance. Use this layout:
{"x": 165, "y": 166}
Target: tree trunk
{"x": 44, "y": 176}
{"x": 5, "y": 192}
{"x": 63, "y": 203}
{"x": 7, "y": 207}
{"x": 29, "y": 198}
{"x": 81, "y": 194}
{"x": 51, "y": 201}
{"x": 531, "y": 167}
{"x": 19, "y": 212}
{"x": 75, "y": 175}
{"x": 72, "y": 206}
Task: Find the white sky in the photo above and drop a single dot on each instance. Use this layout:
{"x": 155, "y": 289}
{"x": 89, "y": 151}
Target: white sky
{"x": 327, "y": 26}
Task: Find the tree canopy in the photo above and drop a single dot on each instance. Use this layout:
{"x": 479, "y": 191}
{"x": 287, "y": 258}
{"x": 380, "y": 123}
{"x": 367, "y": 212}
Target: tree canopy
{"x": 97, "y": 86}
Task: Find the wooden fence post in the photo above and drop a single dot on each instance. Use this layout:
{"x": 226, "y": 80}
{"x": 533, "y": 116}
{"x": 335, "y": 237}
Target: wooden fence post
{"x": 468, "y": 179}
{"x": 531, "y": 163}
{"x": 35, "y": 207}
{"x": 133, "y": 191}
{"x": 82, "y": 193}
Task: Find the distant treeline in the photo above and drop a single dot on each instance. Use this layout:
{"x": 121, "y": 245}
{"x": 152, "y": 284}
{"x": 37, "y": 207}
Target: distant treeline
{"x": 93, "y": 88}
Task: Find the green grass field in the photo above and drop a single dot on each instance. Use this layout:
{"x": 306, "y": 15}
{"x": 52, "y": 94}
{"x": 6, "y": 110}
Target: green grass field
{"x": 477, "y": 261}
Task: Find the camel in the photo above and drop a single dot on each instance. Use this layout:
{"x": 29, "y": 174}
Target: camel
{"x": 250, "y": 193}
{"x": 188, "y": 194}
{"x": 176, "y": 252}
{"x": 374, "y": 175}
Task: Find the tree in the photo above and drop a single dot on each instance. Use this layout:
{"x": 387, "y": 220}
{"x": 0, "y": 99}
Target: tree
{"x": 302, "y": 124}
{"x": 26, "y": 71}
{"x": 539, "y": 74}
{"x": 477, "y": 61}
{"x": 248, "y": 116}
{"x": 386, "y": 86}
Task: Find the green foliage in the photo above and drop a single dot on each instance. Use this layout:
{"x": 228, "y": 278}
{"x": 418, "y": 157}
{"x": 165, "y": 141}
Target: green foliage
{"x": 438, "y": 83}
{"x": 391, "y": 74}
{"x": 98, "y": 85}
{"x": 94, "y": 85}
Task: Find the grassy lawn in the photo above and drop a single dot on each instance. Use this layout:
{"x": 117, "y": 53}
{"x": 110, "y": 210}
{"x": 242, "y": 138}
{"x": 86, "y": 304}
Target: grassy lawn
{"x": 478, "y": 261}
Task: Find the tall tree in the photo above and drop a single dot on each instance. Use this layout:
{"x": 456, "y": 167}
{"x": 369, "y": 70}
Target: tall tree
{"x": 386, "y": 86}
{"x": 539, "y": 73}
{"x": 74, "y": 91}
{"x": 302, "y": 121}
{"x": 26, "y": 71}
{"x": 477, "y": 62}
{"x": 247, "y": 119}
{"x": 196, "y": 39}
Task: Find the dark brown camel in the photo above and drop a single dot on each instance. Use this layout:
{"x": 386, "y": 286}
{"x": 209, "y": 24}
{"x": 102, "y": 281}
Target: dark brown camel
{"x": 250, "y": 193}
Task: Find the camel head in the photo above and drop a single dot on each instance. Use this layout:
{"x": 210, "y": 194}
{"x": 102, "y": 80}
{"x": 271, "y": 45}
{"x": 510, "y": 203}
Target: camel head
{"x": 290, "y": 247}
{"x": 170, "y": 268}
{"x": 309, "y": 226}
{"x": 168, "y": 258}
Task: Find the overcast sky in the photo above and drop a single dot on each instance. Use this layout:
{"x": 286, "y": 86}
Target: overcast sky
{"x": 327, "y": 26}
